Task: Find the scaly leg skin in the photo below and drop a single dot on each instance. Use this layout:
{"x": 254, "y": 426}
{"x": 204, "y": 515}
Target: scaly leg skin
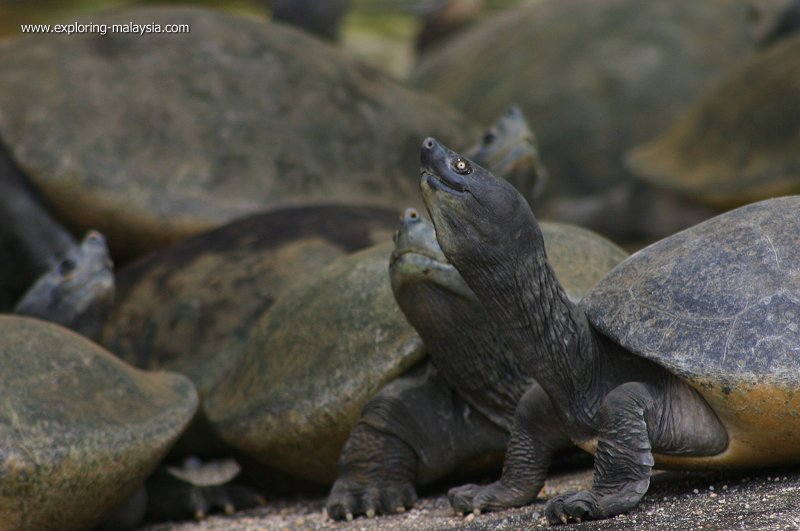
{"x": 672, "y": 417}
{"x": 535, "y": 437}
{"x": 376, "y": 474}
{"x": 414, "y": 432}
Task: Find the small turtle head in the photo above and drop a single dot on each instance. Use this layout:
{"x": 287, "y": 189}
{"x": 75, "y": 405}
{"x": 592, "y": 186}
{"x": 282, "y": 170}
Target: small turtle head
{"x": 509, "y": 149}
{"x": 77, "y": 291}
{"x": 479, "y": 218}
{"x": 418, "y": 266}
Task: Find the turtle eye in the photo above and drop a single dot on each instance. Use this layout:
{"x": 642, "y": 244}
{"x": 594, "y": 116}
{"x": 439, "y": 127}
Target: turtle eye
{"x": 461, "y": 166}
{"x": 489, "y": 138}
{"x": 66, "y": 267}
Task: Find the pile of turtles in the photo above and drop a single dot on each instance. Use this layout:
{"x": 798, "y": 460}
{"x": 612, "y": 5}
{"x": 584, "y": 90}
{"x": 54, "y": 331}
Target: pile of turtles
{"x": 244, "y": 288}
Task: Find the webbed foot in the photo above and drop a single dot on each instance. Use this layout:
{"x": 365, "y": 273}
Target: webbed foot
{"x": 485, "y": 498}
{"x": 349, "y": 498}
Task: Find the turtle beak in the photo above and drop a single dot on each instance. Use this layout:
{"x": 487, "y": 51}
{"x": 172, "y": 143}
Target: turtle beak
{"x": 435, "y": 168}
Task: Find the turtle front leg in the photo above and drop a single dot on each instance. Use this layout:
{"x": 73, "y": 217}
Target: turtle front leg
{"x": 635, "y": 420}
{"x": 415, "y": 431}
{"x": 536, "y": 436}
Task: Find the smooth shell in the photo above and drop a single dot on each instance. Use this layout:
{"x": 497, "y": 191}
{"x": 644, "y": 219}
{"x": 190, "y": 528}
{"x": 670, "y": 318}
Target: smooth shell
{"x": 326, "y": 346}
{"x": 719, "y": 301}
{"x": 719, "y": 306}
{"x": 739, "y": 143}
{"x": 594, "y": 77}
{"x": 152, "y": 138}
{"x": 80, "y": 430}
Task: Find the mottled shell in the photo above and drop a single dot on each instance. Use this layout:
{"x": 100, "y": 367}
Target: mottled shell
{"x": 327, "y": 345}
{"x": 596, "y": 78}
{"x": 80, "y": 430}
{"x": 152, "y": 138}
{"x": 739, "y": 143}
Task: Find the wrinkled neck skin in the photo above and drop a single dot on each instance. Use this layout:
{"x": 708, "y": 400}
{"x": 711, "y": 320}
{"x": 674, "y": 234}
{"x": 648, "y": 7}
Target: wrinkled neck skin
{"x": 550, "y": 332}
{"x": 467, "y": 349}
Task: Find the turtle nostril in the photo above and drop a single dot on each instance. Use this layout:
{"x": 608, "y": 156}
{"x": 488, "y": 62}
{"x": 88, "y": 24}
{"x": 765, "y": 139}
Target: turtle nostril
{"x": 429, "y": 143}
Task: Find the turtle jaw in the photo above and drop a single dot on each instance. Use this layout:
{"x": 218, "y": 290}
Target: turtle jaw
{"x": 418, "y": 260}
{"x": 436, "y": 168}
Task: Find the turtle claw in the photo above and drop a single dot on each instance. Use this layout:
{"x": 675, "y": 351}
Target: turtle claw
{"x": 575, "y": 506}
{"x": 477, "y": 499}
{"x": 349, "y": 499}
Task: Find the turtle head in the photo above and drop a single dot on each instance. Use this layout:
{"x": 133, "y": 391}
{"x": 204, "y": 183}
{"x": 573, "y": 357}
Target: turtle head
{"x": 509, "y": 148}
{"x": 481, "y": 221}
{"x": 77, "y": 291}
{"x": 419, "y": 269}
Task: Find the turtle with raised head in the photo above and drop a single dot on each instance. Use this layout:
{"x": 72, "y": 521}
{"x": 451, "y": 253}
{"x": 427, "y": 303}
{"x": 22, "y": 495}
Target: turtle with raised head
{"x": 456, "y": 409}
{"x": 684, "y": 356}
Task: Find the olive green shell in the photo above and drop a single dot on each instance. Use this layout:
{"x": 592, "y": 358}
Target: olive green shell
{"x": 326, "y": 346}
{"x": 80, "y": 430}
{"x": 595, "y": 78}
{"x": 737, "y": 144}
{"x": 332, "y": 341}
{"x": 152, "y": 138}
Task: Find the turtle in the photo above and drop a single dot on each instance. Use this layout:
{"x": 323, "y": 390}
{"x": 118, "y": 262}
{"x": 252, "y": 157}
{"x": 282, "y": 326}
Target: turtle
{"x": 158, "y": 137}
{"x": 683, "y": 356}
{"x": 458, "y": 407}
{"x": 78, "y": 291}
{"x": 737, "y": 144}
{"x": 191, "y": 307}
{"x": 80, "y": 430}
{"x": 624, "y": 69}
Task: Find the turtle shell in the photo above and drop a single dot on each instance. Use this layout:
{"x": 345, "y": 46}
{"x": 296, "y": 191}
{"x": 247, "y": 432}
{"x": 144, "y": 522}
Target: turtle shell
{"x": 719, "y": 306}
{"x": 719, "y": 301}
{"x": 739, "y": 142}
{"x": 152, "y": 138}
{"x": 595, "y": 77}
{"x": 191, "y": 307}
{"x": 80, "y": 430}
{"x": 326, "y": 346}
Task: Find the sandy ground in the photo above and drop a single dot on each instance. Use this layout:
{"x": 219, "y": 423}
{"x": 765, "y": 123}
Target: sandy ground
{"x": 762, "y": 500}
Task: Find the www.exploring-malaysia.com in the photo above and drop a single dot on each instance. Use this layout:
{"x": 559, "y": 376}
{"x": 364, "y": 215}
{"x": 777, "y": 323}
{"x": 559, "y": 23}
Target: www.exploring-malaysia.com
{"x": 103, "y": 29}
